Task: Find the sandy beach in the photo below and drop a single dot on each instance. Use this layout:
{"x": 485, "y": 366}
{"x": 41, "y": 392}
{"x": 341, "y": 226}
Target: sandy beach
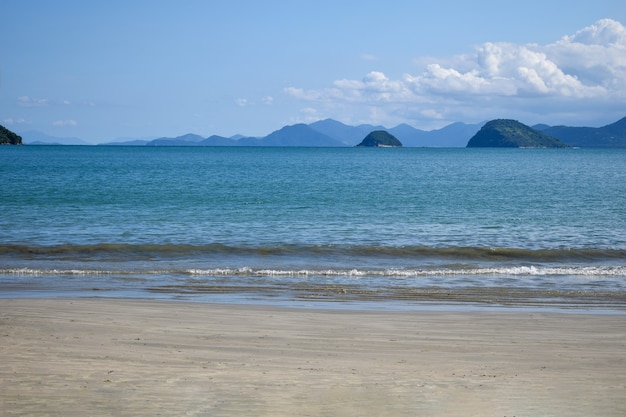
{"x": 103, "y": 357}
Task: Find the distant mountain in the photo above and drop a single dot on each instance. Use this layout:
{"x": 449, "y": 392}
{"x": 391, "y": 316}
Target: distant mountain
{"x": 33, "y": 137}
{"x": 347, "y": 135}
{"x": 294, "y": 135}
{"x": 505, "y": 133}
{"x": 189, "y": 139}
{"x": 380, "y": 139}
{"x": 409, "y": 135}
{"x": 405, "y": 129}
{"x": 298, "y": 135}
{"x": 8, "y": 137}
{"x": 609, "y": 136}
{"x": 134, "y": 142}
{"x": 216, "y": 140}
{"x": 540, "y": 127}
{"x": 185, "y": 140}
{"x": 370, "y": 128}
{"x": 129, "y": 141}
{"x": 454, "y": 135}
{"x": 249, "y": 141}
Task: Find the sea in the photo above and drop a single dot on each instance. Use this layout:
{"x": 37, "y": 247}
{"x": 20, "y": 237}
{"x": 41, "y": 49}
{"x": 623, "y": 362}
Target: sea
{"x": 361, "y": 228}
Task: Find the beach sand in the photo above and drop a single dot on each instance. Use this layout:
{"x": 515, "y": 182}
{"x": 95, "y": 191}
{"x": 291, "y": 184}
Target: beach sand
{"x": 103, "y": 357}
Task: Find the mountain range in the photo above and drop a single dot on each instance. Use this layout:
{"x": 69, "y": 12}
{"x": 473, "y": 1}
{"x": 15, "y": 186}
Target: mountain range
{"x": 609, "y": 136}
{"x": 331, "y": 133}
{"x": 328, "y": 133}
{"x": 33, "y": 137}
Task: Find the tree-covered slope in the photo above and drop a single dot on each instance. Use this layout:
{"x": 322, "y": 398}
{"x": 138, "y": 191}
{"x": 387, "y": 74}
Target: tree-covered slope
{"x": 505, "y": 133}
{"x": 9, "y": 138}
{"x": 380, "y": 138}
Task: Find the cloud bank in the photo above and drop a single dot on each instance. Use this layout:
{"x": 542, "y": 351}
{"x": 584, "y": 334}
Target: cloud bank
{"x": 64, "y": 123}
{"x": 26, "y": 101}
{"x": 585, "y": 71}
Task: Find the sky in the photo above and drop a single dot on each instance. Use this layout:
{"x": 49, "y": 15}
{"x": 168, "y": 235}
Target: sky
{"x": 108, "y": 70}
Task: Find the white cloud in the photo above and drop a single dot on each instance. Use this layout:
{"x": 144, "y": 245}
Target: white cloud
{"x": 299, "y": 93}
{"x": 368, "y": 57}
{"x": 578, "y": 70}
{"x": 309, "y": 114}
{"x": 439, "y": 80}
{"x": 241, "y": 102}
{"x": 268, "y": 100}
{"x": 67, "y": 122}
{"x": 305, "y": 115}
{"x": 596, "y": 55}
{"x": 26, "y": 101}
{"x": 603, "y": 32}
{"x": 431, "y": 114}
{"x": 11, "y": 121}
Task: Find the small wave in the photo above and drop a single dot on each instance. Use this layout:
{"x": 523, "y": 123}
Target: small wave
{"x": 515, "y": 271}
{"x": 589, "y": 271}
{"x": 42, "y": 272}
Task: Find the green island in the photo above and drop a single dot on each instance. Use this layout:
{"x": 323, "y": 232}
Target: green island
{"x": 506, "y": 133}
{"x": 380, "y": 139}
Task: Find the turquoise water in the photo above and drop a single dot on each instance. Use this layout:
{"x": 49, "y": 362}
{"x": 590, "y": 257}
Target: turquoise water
{"x": 480, "y": 226}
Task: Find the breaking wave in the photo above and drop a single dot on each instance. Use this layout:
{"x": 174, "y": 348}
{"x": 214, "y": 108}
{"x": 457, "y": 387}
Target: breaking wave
{"x": 584, "y": 271}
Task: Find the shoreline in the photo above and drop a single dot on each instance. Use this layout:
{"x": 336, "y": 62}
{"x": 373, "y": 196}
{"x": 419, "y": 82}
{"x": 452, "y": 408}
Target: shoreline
{"x": 139, "y": 357}
{"x": 335, "y": 301}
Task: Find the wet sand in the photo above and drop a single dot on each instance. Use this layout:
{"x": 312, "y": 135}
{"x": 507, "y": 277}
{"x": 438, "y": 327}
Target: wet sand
{"x": 104, "y": 357}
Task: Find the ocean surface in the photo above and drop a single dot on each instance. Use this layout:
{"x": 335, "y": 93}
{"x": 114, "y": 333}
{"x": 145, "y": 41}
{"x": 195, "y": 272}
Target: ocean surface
{"x": 348, "y": 227}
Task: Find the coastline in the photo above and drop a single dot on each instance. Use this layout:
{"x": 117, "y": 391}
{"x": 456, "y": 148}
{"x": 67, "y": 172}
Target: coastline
{"x": 122, "y": 357}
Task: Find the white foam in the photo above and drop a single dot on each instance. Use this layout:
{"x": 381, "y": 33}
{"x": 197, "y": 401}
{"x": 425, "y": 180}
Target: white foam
{"x": 514, "y": 270}
{"x": 588, "y": 271}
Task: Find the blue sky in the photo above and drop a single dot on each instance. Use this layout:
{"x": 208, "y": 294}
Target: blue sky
{"x": 102, "y": 70}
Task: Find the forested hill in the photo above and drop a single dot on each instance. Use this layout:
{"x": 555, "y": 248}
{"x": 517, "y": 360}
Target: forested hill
{"x": 380, "y": 139}
{"x": 505, "y": 133}
{"x": 9, "y": 138}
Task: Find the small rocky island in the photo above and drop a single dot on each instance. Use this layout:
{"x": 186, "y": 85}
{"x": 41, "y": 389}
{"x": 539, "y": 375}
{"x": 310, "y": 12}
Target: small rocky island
{"x": 505, "y": 133}
{"x": 9, "y": 138}
{"x": 380, "y": 139}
